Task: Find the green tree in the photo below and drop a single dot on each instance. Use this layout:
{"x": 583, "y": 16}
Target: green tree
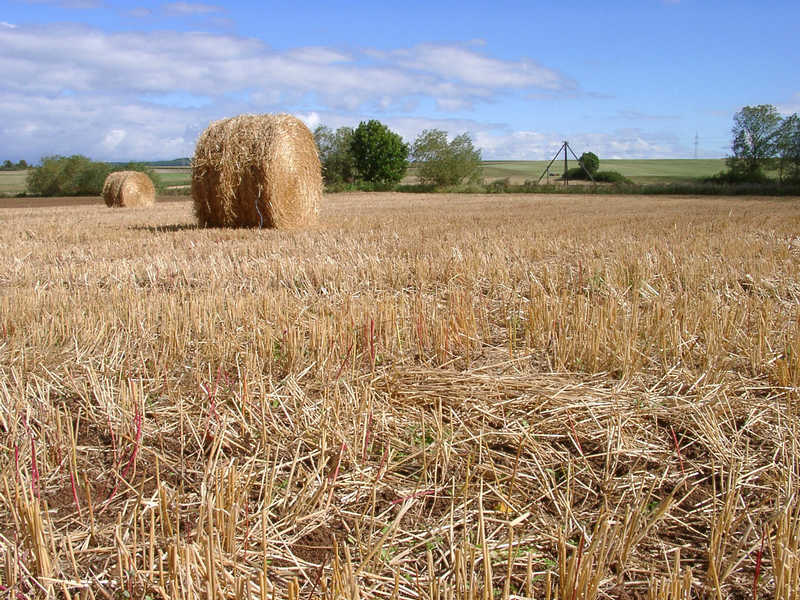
{"x": 22, "y": 164}
{"x": 754, "y": 144}
{"x": 379, "y": 154}
{"x": 335, "y": 153}
{"x": 590, "y": 162}
{"x": 442, "y": 163}
{"x": 78, "y": 176}
{"x": 67, "y": 176}
{"x": 7, "y": 165}
{"x": 788, "y": 147}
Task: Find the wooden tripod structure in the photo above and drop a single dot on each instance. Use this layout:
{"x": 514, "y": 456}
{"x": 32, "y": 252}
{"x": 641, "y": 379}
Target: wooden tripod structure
{"x": 564, "y": 148}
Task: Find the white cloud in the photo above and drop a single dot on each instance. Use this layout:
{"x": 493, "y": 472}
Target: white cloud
{"x": 190, "y": 8}
{"x": 463, "y": 64}
{"x": 47, "y": 59}
{"x": 319, "y": 55}
{"x": 102, "y": 128}
{"x": 312, "y": 119}
{"x": 113, "y": 139}
{"x": 790, "y": 107}
{"x": 7, "y": 25}
{"x": 146, "y": 95}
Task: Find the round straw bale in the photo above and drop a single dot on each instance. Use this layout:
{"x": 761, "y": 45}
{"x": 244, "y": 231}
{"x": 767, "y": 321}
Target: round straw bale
{"x": 128, "y": 188}
{"x": 257, "y": 171}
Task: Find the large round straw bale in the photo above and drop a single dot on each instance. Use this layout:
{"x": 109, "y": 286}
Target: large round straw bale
{"x": 128, "y": 188}
{"x": 257, "y": 171}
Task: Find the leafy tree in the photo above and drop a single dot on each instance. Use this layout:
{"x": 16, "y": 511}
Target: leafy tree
{"x": 590, "y": 162}
{"x": 335, "y": 154}
{"x": 754, "y": 144}
{"x": 10, "y": 166}
{"x": 379, "y": 154}
{"x": 77, "y": 175}
{"x": 788, "y": 147}
{"x": 442, "y": 163}
{"x": 67, "y": 176}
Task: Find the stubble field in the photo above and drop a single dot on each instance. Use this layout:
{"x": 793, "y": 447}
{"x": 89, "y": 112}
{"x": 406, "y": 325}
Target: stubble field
{"x": 428, "y": 396}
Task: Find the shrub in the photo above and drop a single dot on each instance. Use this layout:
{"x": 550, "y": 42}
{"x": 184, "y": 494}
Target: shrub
{"x": 77, "y": 175}
{"x": 576, "y": 173}
{"x": 590, "y": 162}
{"x": 611, "y": 177}
{"x": 445, "y": 164}
{"x": 499, "y": 186}
{"x": 67, "y": 176}
{"x": 335, "y": 154}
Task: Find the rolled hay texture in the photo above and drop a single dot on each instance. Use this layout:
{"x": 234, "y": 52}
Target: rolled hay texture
{"x": 257, "y": 171}
{"x": 128, "y": 189}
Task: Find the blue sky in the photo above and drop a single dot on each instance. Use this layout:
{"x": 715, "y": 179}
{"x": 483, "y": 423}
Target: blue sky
{"x": 118, "y": 80}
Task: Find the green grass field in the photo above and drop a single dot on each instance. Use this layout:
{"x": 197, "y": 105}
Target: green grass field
{"x": 640, "y": 171}
{"x": 12, "y": 182}
{"x": 172, "y": 176}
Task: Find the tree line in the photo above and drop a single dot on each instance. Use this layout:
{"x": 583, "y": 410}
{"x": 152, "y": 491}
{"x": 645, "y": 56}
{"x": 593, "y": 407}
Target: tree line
{"x": 10, "y": 166}
{"x": 763, "y": 141}
{"x": 372, "y": 153}
{"x": 78, "y": 175}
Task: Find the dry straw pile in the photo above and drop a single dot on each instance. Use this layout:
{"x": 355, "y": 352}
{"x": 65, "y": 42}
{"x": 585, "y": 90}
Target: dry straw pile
{"x": 128, "y": 188}
{"x": 257, "y": 171}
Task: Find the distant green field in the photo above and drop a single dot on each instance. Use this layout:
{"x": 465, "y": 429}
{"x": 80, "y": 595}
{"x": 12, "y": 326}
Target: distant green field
{"x": 172, "y": 176}
{"x": 12, "y": 182}
{"x": 640, "y": 171}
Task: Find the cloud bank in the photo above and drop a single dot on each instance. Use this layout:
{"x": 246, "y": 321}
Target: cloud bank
{"x": 140, "y": 95}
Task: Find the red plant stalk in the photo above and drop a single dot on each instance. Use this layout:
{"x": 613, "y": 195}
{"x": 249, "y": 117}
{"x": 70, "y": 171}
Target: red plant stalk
{"x": 137, "y": 419}
{"x": 678, "y": 452}
{"x": 344, "y": 361}
{"x": 332, "y": 477}
{"x": 16, "y": 459}
{"x": 577, "y": 568}
{"x": 575, "y": 435}
{"x": 367, "y": 438}
{"x": 372, "y": 341}
{"x": 75, "y": 493}
{"x": 384, "y": 456}
{"x": 759, "y": 556}
{"x": 19, "y": 595}
{"x": 34, "y": 470}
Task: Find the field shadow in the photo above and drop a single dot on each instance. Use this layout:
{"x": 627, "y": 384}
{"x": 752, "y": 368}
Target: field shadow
{"x": 165, "y": 228}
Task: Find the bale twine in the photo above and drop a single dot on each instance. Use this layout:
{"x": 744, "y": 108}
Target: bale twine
{"x": 257, "y": 171}
{"x": 128, "y": 188}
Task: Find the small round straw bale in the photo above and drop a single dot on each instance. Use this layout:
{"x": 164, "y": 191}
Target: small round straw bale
{"x": 128, "y": 188}
{"x": 257, "y": 171}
